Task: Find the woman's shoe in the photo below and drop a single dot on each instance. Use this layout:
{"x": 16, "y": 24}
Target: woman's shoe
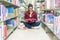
{"x": 35, "y": 27}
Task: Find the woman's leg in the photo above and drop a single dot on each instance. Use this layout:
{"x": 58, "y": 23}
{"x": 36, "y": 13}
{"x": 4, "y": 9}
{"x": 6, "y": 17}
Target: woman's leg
{"x": 36, "y": 24}
{"x": 27, "y": 25}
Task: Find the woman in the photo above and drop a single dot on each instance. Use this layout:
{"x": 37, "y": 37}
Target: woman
{"x": 30, "y": 17}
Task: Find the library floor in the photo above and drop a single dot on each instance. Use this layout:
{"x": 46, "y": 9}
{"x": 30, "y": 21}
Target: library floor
{"x": 30, "y": 34}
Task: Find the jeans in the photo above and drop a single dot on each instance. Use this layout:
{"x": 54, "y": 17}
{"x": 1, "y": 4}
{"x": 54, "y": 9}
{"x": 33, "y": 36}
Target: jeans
{"x": 29, "y": 25}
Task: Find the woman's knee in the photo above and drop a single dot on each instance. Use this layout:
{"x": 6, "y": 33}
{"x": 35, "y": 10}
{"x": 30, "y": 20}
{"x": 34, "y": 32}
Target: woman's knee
{"x": 37, "y": 23}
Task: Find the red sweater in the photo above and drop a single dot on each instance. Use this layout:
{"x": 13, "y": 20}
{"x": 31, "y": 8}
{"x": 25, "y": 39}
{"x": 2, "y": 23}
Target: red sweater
{"x": 34, "y": 16}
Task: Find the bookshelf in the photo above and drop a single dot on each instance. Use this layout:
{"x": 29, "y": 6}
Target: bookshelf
{"x": 5, "y": 16}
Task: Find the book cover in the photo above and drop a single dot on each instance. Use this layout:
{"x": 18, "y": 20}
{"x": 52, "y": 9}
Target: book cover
{"x": 10, "y": 10}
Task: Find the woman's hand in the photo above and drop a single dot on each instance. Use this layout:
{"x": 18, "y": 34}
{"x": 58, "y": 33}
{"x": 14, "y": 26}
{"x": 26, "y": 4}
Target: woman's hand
{"x": 31, "y": 20}
{"x": 26, "y": 20}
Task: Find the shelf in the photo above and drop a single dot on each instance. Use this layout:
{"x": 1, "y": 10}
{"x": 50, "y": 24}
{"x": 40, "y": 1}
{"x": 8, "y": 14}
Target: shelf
{"x": 49, "y": 26}
{"x": 10, "y": 31}
{"x": 8, "y": 4}
{"x": 50, "y": 9}
{"x": 51, "y": 29}
{"x": 41, "y": 1}
{"x": 25, "y": 3}
{"x": 10, "y": 18}
{"x": 58, "y": 37}
{"x": 24, "y": 6}
{"x": 47, "y": 9}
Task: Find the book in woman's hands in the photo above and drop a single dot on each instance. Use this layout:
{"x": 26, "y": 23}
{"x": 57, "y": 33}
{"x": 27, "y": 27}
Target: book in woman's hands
{"x": 31, "y": 20}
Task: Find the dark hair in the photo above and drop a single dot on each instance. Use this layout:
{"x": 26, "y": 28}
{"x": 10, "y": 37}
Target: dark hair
{"x": 30, "y": 5}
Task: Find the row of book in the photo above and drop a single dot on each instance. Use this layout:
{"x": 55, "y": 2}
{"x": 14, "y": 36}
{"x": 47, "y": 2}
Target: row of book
{"x": 7, "y": 12}
{"x": 49, "y": 18}
{"x": 57, "y": 26}
{"x": 52, "y": 4}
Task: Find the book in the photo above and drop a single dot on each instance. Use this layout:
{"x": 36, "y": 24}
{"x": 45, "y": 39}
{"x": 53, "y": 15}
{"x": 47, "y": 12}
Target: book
{"x": 10, "y": 22}
{"x": 50, "y": 18}
{"x": 15, "y": 12}
{"x": 10, "y": 10}
{"x": 5, "y": 31}
{"x": 31, "y": 19}
{"x": 17, "y": 2}
{"x": 0, "y": 10}
{"x": 14, "y": 1}
{"x": 9, "y": 0}
{"x": 0, "y": 33}
{"x": 3, "y": 12}
{"x": 56, "y": 25}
